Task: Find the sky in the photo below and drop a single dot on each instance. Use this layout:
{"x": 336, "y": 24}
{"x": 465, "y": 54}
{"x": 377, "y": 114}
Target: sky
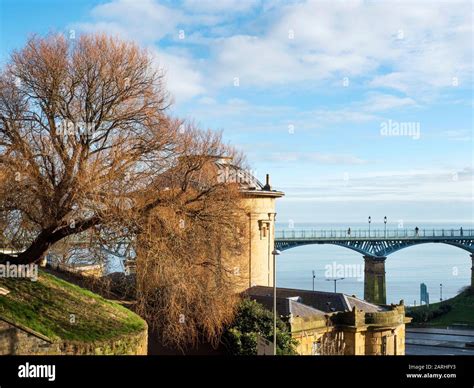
{"x": 354, "y": 108}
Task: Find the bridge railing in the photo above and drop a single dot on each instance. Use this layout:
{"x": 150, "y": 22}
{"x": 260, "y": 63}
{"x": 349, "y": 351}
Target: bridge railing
{"x": 372, "y": 233}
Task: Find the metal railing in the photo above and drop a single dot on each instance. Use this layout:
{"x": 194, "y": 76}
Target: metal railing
{"x": 324, "y": 234}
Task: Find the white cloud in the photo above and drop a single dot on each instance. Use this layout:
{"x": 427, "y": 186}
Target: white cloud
{"x": 409, "y": 186}
{"x": 319, "y": 157}
{"x": 148, "y": 21}
{"x": 235, "y": 108}
{"x": 405, "y": 46}
{"x": 255, "y": 61}
{"x": 182, "y": 78}
{"x": 367, "y": 110}
{"x": 217, "y": 6}
{"x": 143, "y": 20}
{"x": 463, "y": 135}
{"x": 416, "y": 47}
{"x": 378, "y": 102}
{"x": 206, "y": 100}
{"x": 337, "y": 116}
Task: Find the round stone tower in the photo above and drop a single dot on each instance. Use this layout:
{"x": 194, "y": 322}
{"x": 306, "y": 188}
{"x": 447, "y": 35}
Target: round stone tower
{"x": 259, "y": 201}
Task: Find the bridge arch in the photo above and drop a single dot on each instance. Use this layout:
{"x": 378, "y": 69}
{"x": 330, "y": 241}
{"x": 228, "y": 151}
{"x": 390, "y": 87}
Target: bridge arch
{"x": 284, "y": 247}
{"x": 429, "y": 263}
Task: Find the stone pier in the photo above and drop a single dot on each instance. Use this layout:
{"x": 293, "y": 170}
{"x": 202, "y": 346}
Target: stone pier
{"x": 374, "y": 280}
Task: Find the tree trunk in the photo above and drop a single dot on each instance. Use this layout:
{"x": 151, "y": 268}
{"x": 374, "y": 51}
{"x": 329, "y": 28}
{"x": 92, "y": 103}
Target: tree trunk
{"x": 36, "y": 251}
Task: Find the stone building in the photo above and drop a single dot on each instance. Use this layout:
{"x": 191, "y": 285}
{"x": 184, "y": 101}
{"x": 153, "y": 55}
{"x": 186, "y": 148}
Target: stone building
{"x": 328, "y": 323}
{"x": 315, "y": 318}
{"x": 259, "y": 202}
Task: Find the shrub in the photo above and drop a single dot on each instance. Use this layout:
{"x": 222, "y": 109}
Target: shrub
{"x": 253, "y": 320}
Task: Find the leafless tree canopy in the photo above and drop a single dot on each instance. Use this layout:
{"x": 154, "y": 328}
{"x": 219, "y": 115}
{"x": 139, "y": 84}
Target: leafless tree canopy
{"x": 89, "y": 152}
{"x": 79, "y": 124}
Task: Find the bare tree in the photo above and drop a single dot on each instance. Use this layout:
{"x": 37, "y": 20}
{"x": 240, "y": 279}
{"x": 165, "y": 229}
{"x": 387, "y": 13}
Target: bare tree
{"x": 188, "y": 254}
{"x": 87, "y": 153}
{"x": 79, "y": 124}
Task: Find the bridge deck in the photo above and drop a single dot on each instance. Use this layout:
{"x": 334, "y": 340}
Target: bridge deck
{"x": 377, "y": 242}
{"x": 374, "y": 234}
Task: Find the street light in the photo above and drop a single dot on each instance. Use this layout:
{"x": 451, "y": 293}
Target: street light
{"x": 441, "y": 292}
{"x": 275, "y": 253}
{"x": 335, "y": 281}
{"x": 370, "y": 220}
{"x": 385, "y": 227}
{"x": 314, "y": 276}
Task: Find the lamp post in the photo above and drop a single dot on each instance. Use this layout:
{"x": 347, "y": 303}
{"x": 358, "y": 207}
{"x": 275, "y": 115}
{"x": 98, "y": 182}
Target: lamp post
{"x": 335, "y": 282}
{"x": 314, "y": 276}
{"x": 275, "y": 253}
{"x": 385, "y": 226}
{"x": 370, "y": 220}
{"x": 441, "y": 292}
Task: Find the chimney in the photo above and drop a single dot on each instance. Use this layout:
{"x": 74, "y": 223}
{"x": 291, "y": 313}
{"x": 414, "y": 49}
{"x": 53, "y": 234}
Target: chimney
{"x": 267, "y": 186}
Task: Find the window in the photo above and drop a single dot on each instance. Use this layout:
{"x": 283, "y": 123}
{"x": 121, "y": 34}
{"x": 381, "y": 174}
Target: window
{"x": 263, "y": 226}
{"x": 384, "y": 346}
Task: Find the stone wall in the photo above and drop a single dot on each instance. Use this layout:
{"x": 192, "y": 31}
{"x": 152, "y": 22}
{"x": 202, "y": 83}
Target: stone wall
{"x": 306, "y": 341}
{"x": 395, "y": 316}
{"x": 386, "y": 341}
{"x": 18, "y": 340}
{"x": 307, "y": 332}
{"x": 378, "y": 333}
{"x": 131, "y": 344}
{"x": 354, "y": 341}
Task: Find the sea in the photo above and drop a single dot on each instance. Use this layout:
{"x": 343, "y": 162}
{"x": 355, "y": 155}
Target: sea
{"x": 444, "y": 269}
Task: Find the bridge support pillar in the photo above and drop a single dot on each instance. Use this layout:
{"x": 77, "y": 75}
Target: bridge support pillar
{"x": 374, "y": 280}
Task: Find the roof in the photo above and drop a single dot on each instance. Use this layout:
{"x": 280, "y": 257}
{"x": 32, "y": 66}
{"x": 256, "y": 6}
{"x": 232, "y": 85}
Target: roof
{"x": 287, "y": 306}
{"x": 227, "y": 172}
{"x": 245, "y": 178}
{"x": 249, "y": 184}
{"x": 325, "y": 302}
{"x": 360, "y": 304}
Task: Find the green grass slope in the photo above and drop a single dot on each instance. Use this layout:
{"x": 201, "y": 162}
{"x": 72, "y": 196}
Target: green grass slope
{"x": 457, "y": 310}
{"x": 61, "y": 310}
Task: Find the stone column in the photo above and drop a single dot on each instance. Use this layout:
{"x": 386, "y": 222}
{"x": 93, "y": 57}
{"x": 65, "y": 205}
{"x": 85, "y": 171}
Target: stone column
{"x": 374, "y": 280}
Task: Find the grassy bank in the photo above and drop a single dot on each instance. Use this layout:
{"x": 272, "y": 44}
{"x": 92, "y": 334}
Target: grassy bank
{"x": 457, "y": 310}
{"x": 61, "y": 310}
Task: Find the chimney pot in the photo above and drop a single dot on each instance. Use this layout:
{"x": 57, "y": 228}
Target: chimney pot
{"x": 267, "y": 183}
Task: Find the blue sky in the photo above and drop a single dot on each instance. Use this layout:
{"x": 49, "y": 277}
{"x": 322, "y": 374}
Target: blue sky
{"x": 305, "y": 90}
